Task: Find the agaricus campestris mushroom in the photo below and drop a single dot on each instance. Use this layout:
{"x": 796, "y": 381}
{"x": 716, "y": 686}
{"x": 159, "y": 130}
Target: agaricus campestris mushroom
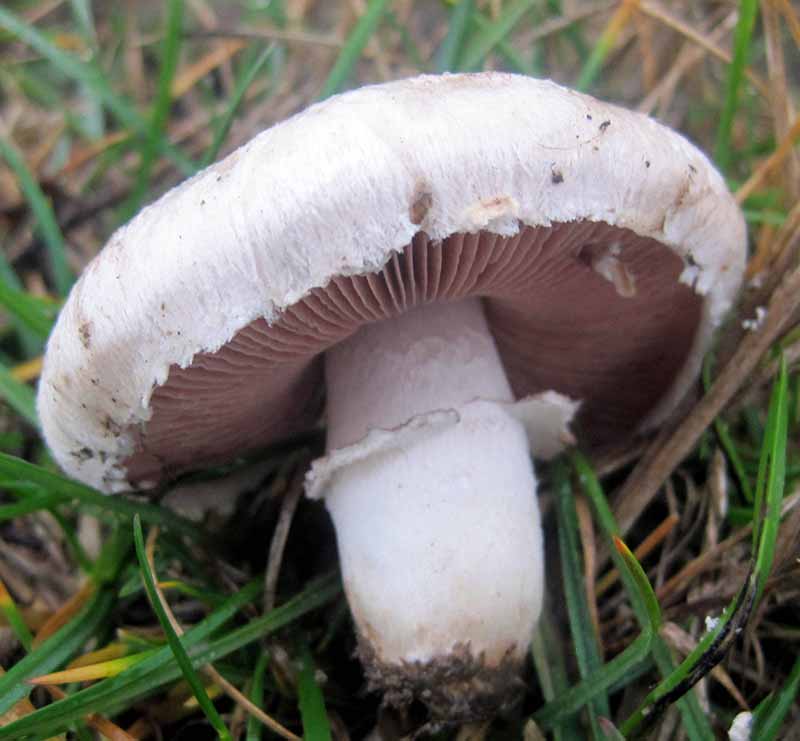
{"x": 472, "y": 257}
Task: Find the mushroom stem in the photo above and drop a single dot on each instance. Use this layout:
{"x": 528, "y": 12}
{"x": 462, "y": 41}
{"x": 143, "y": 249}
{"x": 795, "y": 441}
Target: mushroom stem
{"x": 436, "y": 518}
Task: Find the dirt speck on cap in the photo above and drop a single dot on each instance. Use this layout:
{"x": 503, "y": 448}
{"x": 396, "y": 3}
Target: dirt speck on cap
{"x": 421, "y": 202}
{"x": 112, "y": 426}
{"x": 85, "y": 333}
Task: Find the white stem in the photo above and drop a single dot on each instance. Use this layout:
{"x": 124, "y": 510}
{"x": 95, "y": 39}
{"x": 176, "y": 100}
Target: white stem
{"x": 438, "y": 532}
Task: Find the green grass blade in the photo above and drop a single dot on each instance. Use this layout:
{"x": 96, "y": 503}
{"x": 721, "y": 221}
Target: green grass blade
{"x": 634, "y": 579}
{"x": 35, "y": 314}
{"x": 43, "y": 212}
{"x": 728, "y": 444}
{"x": 582, "y": 629}
{"x": 153, "y": 673}
{"x": 359, "y": 37}
{"x": 15, "y": 620}
{"x": 598, "y": 681}
{"x": 512, "y": 57}
{"x": 91, "y": 109}
{"x": 19, "y": 396}
{"x": 96, "y": 698}
{"x": 156, "y": 140}
{"x": 33, "y": 503}
{"x": 714, "y": 644}
{"x": 594, "y": 64}
{"x": 90, "y": 77}
{"x": 13, "y": 469}
{"x": 772, "y": 477}
{"x": 316, "y": 726}
{"x": 551, "y": 672}
{"x": 768, "y": 717}
{"x": 697, "y": 663}
{"x": 55, "y": 651}
{"x": 596, "y": 685}
{"x": 12, "y": 295}
{"x": 447, "y": 55}
{"x": 254, "y": 726}
{"x": 481, "y": 45}
{"x": 643, "y": 603}
{"x": 112, "y": 558}
{"x": 644, "y": 589}
{"x": 605, "y": 517}
{"x": 695, "y": 720}
{"x": 242, "y": 86}
{"x": 748, "y": 10}
{"x": 173, "y": 639}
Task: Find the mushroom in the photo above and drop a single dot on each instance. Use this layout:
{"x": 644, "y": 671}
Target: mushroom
{"x": 469, "y": 261}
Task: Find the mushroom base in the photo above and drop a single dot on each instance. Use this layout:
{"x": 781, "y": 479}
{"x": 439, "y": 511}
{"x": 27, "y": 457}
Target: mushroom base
{"x": 441, "y": 553}
{"x": 456, "y": 688}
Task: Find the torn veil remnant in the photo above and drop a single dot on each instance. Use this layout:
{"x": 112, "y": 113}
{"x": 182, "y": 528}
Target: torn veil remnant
{"x": 467, "y": 262}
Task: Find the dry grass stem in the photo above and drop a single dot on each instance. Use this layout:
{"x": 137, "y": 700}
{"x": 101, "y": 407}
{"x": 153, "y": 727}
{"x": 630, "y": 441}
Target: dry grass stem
{"x": 792, "y": 19}
{"x": 196, "y": 71}
{"x": 645, "y": 36}
{"x": 718, "y": 498}
{"x": 708, "y": 559}
{"x": 690, "y": 55}
{"x": 65, "y": 613}
{"x": 588, "y": 546}
{"x": 280, "y": 535}
{"x": 783, "y": 110}
{"x": 650, "y": 543}
{"x": 659, "y": 13}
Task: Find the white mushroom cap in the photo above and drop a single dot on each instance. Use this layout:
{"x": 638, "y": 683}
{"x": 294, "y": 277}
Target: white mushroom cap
{"x": 247, "y": 271}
